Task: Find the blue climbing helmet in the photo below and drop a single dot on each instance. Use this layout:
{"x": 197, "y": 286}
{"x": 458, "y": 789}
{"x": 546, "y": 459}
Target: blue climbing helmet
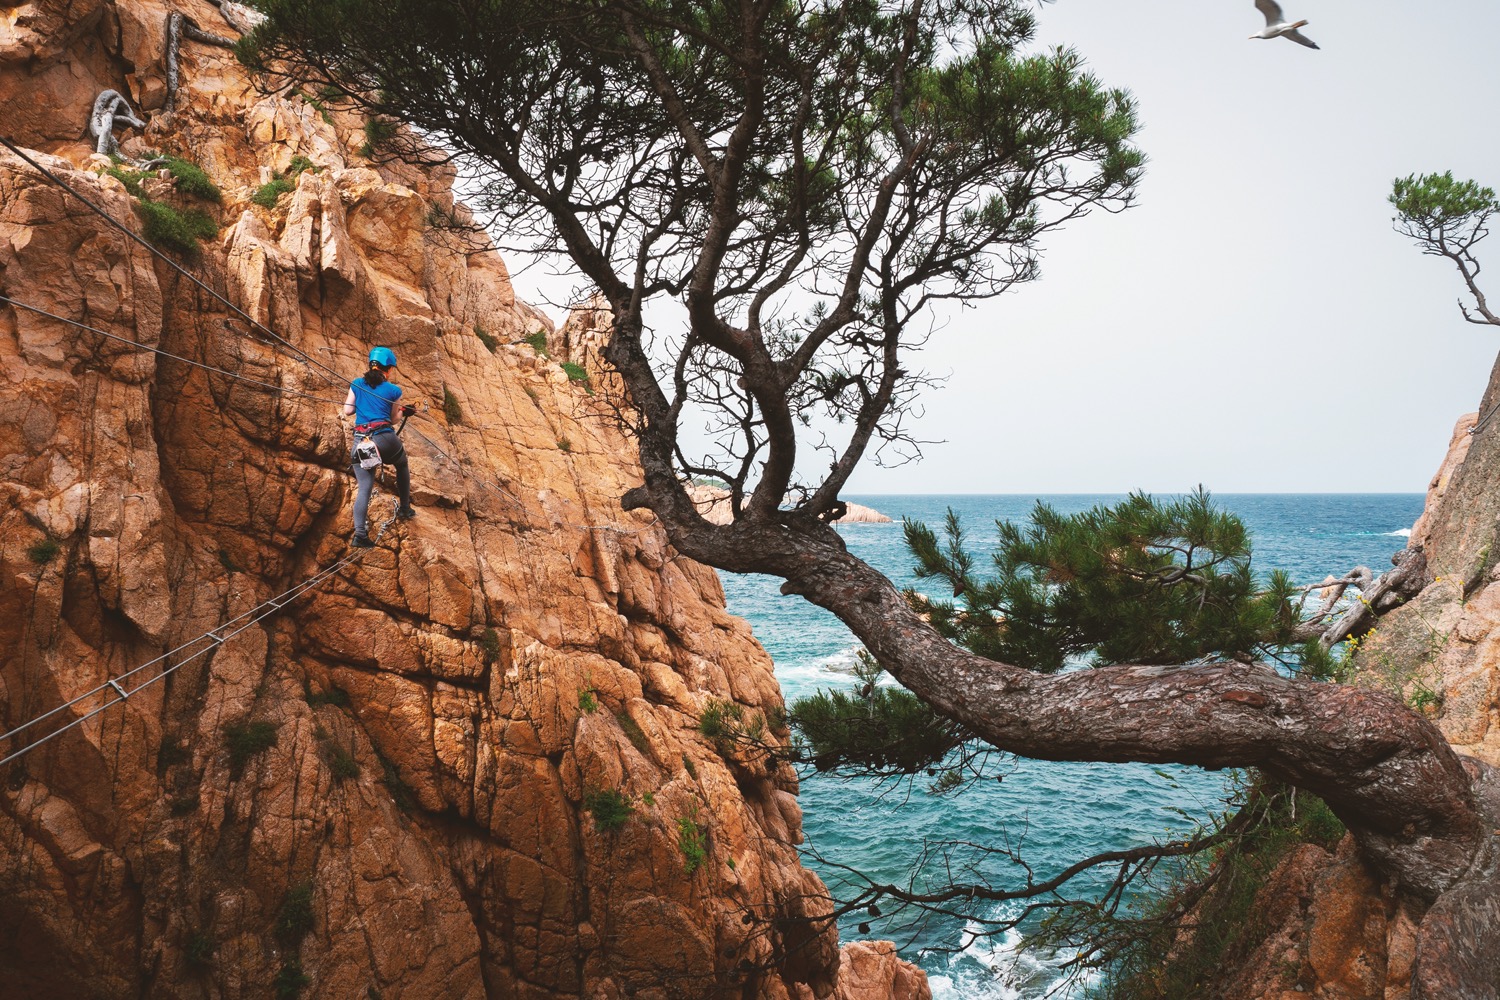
{"x": 383, "y": 356}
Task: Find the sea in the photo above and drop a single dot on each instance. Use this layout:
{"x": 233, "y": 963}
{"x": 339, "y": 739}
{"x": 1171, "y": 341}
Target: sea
{"x": 1051, "y": 814}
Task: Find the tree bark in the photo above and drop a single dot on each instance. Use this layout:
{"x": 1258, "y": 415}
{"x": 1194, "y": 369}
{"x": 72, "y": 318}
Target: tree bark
{"x": 1384, "y": 770}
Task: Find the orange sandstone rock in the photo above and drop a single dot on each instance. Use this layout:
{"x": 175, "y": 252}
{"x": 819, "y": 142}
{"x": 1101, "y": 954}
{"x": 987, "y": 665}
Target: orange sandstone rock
{"x": 409, "y": 749}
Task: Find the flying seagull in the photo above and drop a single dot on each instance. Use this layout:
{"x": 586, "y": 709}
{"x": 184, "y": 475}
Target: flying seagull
{"x": 1276, "y": 25}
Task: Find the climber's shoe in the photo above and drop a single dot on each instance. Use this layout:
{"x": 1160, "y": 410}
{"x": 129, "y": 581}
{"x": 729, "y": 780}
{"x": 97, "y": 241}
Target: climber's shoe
{"x": 405, "y": 513}
{"x": 361, "y": 542}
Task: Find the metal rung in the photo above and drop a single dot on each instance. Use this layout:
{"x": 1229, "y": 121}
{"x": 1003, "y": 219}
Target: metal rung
{"x": 119, "y": 690}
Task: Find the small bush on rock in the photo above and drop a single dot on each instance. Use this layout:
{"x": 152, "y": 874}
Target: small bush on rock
{"x": 609, "y": 807}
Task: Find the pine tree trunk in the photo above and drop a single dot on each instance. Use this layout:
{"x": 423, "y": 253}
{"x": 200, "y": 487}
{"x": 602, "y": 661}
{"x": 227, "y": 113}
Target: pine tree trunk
{"x": 1388, "y": 774}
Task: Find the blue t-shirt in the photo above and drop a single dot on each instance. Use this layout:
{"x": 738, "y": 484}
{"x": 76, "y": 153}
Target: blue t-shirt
{"x": 372, "y": 404}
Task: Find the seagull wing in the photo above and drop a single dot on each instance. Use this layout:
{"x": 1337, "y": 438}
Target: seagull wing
{"x": 1299, "y": 38}
{"x": 1272, "y": 10}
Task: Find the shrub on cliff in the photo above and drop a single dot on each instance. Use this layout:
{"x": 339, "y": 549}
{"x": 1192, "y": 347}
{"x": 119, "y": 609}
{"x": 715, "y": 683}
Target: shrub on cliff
{"x": 1143, "y": 947}
{"x": 691, "y": 843}
{"x": 610, "y": 808}
{"x": 295, "y": 918}
{"x": 192, "y": 179}
{"x": 170, "y": 228}
{"x": 43, "y": 551}
{"x": 246, "y": 739}
{"x": 271, "y": 191}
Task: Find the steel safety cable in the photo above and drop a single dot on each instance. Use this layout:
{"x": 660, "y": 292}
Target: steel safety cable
{"x": 167, "y": 354}
{"x": 331, "y": 375}
{"x": 1488, "y": 416}
{"x": 502, "y": 491}
{"x": 215, "y": 638}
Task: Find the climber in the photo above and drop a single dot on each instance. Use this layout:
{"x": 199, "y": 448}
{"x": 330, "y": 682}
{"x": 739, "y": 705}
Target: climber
{"x": 372, "y": 403}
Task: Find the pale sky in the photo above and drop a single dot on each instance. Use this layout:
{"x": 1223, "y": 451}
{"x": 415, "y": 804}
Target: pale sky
{"x": 1253, "y": 324}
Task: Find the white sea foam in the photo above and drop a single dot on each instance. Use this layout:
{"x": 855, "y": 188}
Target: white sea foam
{"x": 1399, "y": 533}
{"x": 1001, "y": 968}
{"x": 842, "y": 662}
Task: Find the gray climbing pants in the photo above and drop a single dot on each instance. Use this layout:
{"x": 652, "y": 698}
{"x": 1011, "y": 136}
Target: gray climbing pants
{"x": 391, "y": 453}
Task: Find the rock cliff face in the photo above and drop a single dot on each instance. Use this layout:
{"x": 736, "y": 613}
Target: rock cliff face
{"x": 1442, "y": 650}
{"x": 465, "y": 765}
{"x": 1328, "y": 927}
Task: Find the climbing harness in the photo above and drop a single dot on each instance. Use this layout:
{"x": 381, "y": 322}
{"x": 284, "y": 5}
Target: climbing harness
{"x": 121, "y": 688}
{"x": 327, "y": 372}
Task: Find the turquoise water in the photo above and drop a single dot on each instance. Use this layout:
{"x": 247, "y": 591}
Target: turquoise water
{"x": 1059, "y": 812}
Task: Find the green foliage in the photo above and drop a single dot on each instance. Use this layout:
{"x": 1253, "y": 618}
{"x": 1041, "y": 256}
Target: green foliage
{"x": 1143, "y": 581}
{"x": 341, "y": 763}
{"x": 246, "y": 739}
{"x": 489, "y": 645}
{"x": 720, "y": 721}
{"x": 1424, "y": 698}
{"x": 1438, "y": 203}
{"x": 266, "y": 195}
{"x": 565, "y": 446}
{"x": 577, "y": 373}
{"x": 43, "y": 551}
{"x": 378, "y": 132}
{"x": 588, "y": 702}
{"x": 634, "y": 733}
{"x": 295, "y": 918}
{"x": 874, "y": 729}
{"x": 402, "y": 794}
{"x": 192, "y": 180}
{"x": 691, "y": 843}
{"x": 317, "y": 103}
{"x": 291, "y": 980}
{"x": 180, "y": 230}
{"x": 451, "y": 409}
{"x": 1146, "y": 953}
{"x": 690, "y": 767}
{"x": 198, "y": 950}
{"x": 648, "y": 799}
{"x": 487, "y": 339}
{"x": 538, "y": 342}
{"x": 250, "y": 52}
{"x": 609, "y": 807}
{"x": 130, "y": 178}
